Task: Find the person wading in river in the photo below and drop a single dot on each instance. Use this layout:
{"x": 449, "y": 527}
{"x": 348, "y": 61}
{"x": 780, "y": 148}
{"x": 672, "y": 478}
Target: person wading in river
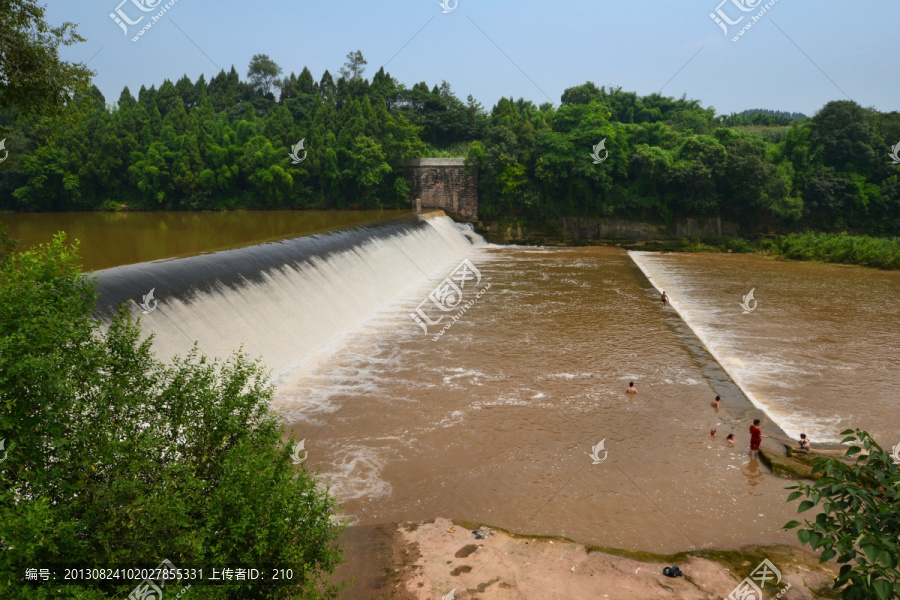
{"x": 631, "y": 389}
{"x": 756, "y": 437}
{"x": 664, "y": 299}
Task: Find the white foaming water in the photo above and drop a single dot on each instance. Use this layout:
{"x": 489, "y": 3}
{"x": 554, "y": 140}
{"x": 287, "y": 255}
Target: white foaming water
{"x": 291, "y": 314}
{"x": 730, "y": 346}
{"x": 717, "y": 344}
{"x": 455, "y": 418}
{"x": 296, "y": 315}
{"x": 468, "y": 376}
{"x": 357, "y": 473}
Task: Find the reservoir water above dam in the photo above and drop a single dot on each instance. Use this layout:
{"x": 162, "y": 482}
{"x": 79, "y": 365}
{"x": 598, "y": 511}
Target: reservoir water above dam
{"x": 495, "y": 418}
{"x": 112, "y": 239}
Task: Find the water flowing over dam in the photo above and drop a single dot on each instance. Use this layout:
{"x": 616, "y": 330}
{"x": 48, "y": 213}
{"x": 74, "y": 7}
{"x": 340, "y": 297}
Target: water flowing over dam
{"x": 281, "y": 300}
{"x": 495, "y": 419}
{"x": 803, "y": 346}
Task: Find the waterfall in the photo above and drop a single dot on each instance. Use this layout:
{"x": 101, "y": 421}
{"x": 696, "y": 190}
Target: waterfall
{"x": 282, "y": 300}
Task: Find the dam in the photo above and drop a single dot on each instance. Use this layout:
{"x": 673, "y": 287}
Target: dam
{"x": 443, "y": 183}
{"x": 495, "y": 420}
{"x": 281, "y": 300}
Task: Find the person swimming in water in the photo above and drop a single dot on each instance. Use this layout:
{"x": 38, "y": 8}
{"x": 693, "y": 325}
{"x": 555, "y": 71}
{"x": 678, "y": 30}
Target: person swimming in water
{"x": 664, "y": 299}
{"x": 631, "y": 389}
{"x": 730, "y": 439}
{"x": 715, "y": 403}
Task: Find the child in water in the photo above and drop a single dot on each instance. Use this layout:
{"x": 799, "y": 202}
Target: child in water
{"x": 712, "y": 432}
{"x": 730, "y": 439}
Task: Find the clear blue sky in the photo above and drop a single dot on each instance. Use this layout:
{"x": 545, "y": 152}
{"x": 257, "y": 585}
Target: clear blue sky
{"x": 639, "y": 46}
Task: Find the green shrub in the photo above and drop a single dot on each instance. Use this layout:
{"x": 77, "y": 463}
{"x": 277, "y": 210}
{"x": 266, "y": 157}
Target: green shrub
{"x": 863, "y": 250}
{"x": 114, "y": 458}
{"x": 859, "y": 525}
{"x": 737, "y": 244}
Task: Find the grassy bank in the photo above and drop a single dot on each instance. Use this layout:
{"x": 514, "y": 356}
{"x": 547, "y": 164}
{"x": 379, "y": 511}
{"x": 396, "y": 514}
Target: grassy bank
{"x": 880, "y": 253}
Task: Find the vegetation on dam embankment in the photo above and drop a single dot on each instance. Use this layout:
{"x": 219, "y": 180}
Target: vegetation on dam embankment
{"x": 700, "y": 236}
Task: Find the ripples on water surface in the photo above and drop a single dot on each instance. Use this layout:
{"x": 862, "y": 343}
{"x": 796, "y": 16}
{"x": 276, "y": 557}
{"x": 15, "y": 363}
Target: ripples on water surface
{"x": 494, "y": 421}
{"x": 821, "y": 351}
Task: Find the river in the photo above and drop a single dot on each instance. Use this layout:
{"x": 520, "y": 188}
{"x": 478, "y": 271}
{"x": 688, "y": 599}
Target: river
{"x": 111, "y": 239}
{"x": 513, "y": 412}
{"x": 816, "y": 348}
{"x": 495, "y": 420}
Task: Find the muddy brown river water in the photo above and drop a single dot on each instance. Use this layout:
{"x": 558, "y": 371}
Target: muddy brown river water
{"x": 111, "y": 239}
{"x": 510, "y": 408}
{"x": 495, "y": 421}
{"x": 819, "y": 349}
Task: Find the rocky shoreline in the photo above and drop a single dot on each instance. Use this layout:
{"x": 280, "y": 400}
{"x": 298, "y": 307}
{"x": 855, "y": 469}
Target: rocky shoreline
{"x": 440, "y": 559}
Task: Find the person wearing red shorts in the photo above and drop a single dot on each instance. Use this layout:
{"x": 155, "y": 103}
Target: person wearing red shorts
{"x": 755, "y": 437}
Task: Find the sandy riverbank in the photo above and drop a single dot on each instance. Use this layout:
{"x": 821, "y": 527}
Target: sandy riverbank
{"x": 428, "y": 560}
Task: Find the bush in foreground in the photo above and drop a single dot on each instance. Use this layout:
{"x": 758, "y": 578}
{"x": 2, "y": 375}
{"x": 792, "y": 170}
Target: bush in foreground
{"x": 114, "y": 458}
{"x": 860, "y": 520}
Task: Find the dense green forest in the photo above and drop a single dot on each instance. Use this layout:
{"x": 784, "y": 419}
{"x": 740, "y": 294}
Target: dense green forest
{"x": 672, "y": 158}
{"x": 762, "y": 116}
{"x": 225, "y": 143}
